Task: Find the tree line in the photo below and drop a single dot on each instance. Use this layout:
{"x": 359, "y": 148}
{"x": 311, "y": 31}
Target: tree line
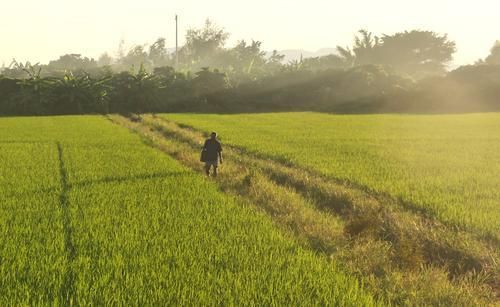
{"x": 403, "y": 72}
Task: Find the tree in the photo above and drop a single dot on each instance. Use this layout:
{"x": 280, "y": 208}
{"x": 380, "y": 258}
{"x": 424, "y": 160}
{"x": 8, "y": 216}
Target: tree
{"x": 331, "y": 61}
{"x": 364, "y": 51}
{"x": 105, "y": 60}
{"x": 71, "y": 62}
{"x": 417, "y": 53}
{"x": 175, "y": 88}
{"x": 136, "y": 58}
{"x": 19, "y": 70}
{"x": 274, "y": 63}
{"x": 494, "y": 57}
{"x": 245, "y": 57}
{"x": 365, "y": 48}
{"x": 347, "y": 56}
{"x": 134, "y": 92}
{"x": 9, "y": 88}
{"x": 203, "y": 44}
{"x": 166, "y": 74}
{"x": 33, "y": 98}
{"x": 80, "y": 94}
{"x": 158, "y": 53}
{"x": 209, "y": 82}
{"x": 244, "y": 62}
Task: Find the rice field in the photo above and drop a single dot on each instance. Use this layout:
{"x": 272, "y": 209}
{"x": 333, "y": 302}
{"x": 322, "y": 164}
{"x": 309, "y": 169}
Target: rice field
{"x": 90, "y": 215}
{"x": 444, "y": 165}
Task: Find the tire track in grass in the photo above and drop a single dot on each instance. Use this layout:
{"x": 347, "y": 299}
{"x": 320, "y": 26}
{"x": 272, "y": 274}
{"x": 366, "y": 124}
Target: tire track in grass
{"x": 408, "y": 240}
{"x": 67, "y": 289}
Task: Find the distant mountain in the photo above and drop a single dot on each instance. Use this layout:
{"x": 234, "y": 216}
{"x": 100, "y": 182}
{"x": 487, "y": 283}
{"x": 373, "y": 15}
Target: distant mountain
{"x": 295, "y": 54}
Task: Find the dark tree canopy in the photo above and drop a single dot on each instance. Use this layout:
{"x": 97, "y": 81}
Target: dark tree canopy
{"x": 72, "y": 62}
{"x": 331, "y": 61}
{"x": 203, "y": 44}
{"x": 208, "y": 82}
{"x": 136, "y": 57}
{"x": 494, "y": 57}
{"x": 416, "y": 53}
{"x": 364, "y": 50}
{"x": 401, "y": 72}
{"x": 158, "y": 53}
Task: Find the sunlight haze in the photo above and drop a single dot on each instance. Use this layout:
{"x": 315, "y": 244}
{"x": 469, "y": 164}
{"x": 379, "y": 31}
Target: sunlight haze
{"x": 43, "y": 30}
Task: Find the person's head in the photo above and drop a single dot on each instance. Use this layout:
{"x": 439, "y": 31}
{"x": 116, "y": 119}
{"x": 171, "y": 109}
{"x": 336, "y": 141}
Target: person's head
{"x": 213, "y": 135}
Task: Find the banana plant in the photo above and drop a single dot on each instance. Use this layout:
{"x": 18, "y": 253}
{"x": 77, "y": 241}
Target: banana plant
{"x": 81, "y": 93}
{"x": 34, "y": 89}
{"x": 294, "y": 65}
{"x": 144, "y": 87}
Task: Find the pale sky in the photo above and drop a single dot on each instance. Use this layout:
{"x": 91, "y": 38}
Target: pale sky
{"x": 41, "y": 30}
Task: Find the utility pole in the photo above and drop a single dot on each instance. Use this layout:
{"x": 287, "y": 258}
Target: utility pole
{"x": 176, "y": 42}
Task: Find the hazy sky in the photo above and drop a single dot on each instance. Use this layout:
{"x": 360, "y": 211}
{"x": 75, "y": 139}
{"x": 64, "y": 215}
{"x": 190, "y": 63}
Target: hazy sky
{"x": 40, "y": 30}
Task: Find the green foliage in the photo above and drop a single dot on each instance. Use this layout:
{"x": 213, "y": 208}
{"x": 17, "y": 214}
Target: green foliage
{"x": 71, "y": 62}
{"x": 417, "y": 53}
{"x": 494, "y": 57}
{"x": 31, "y": 97}
{"x": 331, "y": 61}
{"x": 360, "y": 89}
{"x": 203, "y": 44}
{"x": 136, "y": 58}
{"x": 244, "y": 62}
{"x": 207, "y": 82}
{"x": 142, "y": 87}
{"x": 158, "y": 54}
{"x": 19, "y": 70}
{"x": 402, "y": 72}
{"x": 80, "y": 94}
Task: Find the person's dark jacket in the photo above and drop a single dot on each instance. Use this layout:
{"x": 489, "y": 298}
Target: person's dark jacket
{"x": 212, "y": 148}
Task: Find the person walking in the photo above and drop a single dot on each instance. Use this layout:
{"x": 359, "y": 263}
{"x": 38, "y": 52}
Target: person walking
{"x": 211, "y": 154}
